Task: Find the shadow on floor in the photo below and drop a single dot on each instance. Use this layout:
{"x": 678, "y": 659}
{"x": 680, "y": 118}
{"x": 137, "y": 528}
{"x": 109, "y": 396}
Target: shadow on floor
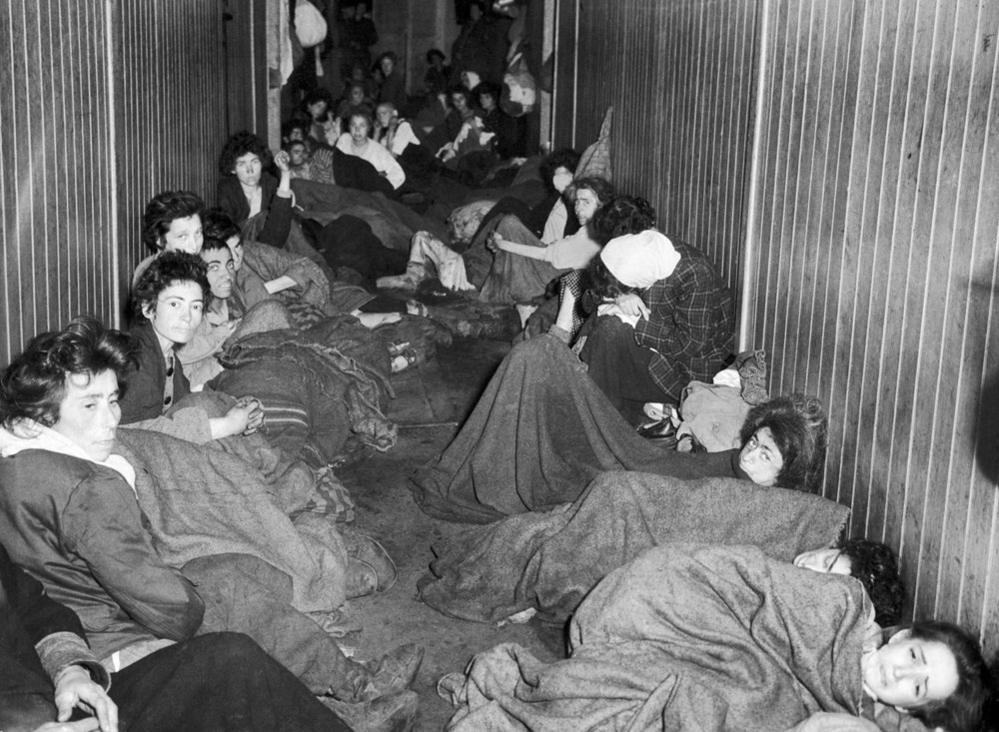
{"x": 431, "y": 402}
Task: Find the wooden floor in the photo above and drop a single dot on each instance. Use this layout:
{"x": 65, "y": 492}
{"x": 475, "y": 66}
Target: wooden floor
{"x": 431, "y": 401}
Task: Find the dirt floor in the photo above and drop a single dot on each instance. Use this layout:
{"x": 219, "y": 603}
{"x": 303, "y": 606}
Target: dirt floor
{"x": 431, "y": 401}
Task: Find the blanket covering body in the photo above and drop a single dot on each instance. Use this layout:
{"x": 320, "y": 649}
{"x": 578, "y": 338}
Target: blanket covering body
{"x": 540, "y": 432}
{"x": 203, "y": 501}
{"x": 550, "y": 560}
{"x": 686, "y": 637}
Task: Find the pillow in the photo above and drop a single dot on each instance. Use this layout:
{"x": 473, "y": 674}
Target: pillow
{"x": 596, "y": 159}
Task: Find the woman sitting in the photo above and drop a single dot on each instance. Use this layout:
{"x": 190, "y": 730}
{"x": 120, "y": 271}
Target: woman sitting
{"x": 358, "y": 142}
{"x": 169, "y": 304}
{"x": 246, "y": 190}
{"x": 695, "y": 636}
{"x": 393, "y": 86}
{"x": 664, "y": 319}
{"x": 391, "y": 132}
{"x": 323, "y": 124}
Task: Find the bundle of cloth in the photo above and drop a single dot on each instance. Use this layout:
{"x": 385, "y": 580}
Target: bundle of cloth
{"x": 330, "y": 393}
{"x": 550, "y": 560}
{"x": 687, "y": 636}
{"x": 540, "y": 432}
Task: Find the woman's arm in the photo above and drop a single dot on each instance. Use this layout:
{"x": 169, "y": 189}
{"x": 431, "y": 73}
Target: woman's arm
{"x": 102, "y": 524}
{"x": 523, "y": 250}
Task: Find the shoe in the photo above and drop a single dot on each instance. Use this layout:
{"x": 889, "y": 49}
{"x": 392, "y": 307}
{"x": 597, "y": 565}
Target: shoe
{"x": 362, "y": 547}
{"x": 449, "y": 687}
{"x": 658, "y": 430}
{"x": 390, "y": 713}
{"x": 394, "y": 672}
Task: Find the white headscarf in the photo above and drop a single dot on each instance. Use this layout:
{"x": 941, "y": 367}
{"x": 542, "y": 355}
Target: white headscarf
{"x": 639, "y": 260}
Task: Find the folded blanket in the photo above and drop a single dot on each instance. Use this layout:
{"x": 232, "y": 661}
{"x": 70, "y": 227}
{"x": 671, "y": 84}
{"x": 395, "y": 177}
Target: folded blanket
{"x": 540, "y": 432}
{"x": 202, "y": 501}
{"x": 686, "y": 637}
{"x": 551, "y": 560}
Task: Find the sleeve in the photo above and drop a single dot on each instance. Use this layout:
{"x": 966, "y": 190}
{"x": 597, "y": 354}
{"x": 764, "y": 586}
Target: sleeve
{"x": 681, "y": 324}
{"x": 103, "y": 525}
{"x": 58, "y": 651}
{"x": 394, "y": 172}
{"x": 277, "y": 227}
{"x": 834, "y": 722}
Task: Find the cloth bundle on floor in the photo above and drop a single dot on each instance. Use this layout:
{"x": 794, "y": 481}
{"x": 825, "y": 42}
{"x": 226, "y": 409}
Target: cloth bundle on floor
{"x": 540, "y": 432}
{"x": 685, "y": 637}
{"x": 551, "y": 560}
{"x": 335, "y": 371}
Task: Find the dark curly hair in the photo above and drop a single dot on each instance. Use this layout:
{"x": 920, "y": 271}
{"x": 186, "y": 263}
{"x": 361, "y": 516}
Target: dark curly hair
{"x": 964, "y": 710}
{"x": 239, "y": 145}
{"x": 487, "y": 87}
{"x": 798, "y": 425}
{"x": 163, "y": 209}
{"x": 622, "y": 215}
{"x": 435, "y": 52}
{"x": 564, "y": 157}
{"x": 215, "y": 222}
{"x": 875, "y": 565}
{"x": 458, "y": 89}
{"x": 34, "y": 384}
{"x": 602, "y": 189}
{"x": 167, "y": 269}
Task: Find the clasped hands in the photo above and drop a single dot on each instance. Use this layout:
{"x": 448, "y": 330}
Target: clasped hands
{"x": 629, "y": 308}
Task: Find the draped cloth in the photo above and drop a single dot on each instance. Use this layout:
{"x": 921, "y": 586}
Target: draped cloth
{"x": 686, "y": 637}
{"x": 540, "y": 432}
{"x": 551, "y": 560}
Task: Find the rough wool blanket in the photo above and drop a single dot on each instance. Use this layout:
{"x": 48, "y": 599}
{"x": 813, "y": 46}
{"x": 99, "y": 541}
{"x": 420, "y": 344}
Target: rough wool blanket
{"x": 202, "y": 501}
{"x": 551, "y": 560}
{"x": 686, "y": 637}
{"x": 335, "y": 371}
{"x": 540, "y": 432}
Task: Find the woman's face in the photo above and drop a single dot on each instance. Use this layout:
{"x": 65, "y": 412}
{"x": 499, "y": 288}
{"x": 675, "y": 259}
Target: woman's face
{"x": 358, "y": 130}
{"x": 220, "y": 271}
{"x": 386, "y": 65}
{"x": 561, "y": 178}
{"x": 760, "y": 459}
{"x": 317, "y": 109}
{"x": 585, "y": 205}
{"x": 184, "y": 235}
{"x": 908, "y": 672}
{"x": 235, "y": 245}
{"x": 89, "y": 413}
{"x": 177, "y": 312}
{"x": 247, "y": 169}
{"x": 384, "y": 113}
{"x": 459, "y": 102}
{"x": 487, "y": 102}
{"x": 356, "y": 95}
{"x": 297, "y": 154}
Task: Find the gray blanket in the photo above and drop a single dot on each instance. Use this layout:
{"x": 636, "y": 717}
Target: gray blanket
{"x": 550, "y": 560}
{"x": 203, "y": 501}
{"x": 686, "y": 637}
{"x": 540, "y": 432}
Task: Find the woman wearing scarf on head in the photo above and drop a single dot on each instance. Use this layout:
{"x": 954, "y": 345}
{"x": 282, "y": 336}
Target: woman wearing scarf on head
{"x": 665, "y": 318}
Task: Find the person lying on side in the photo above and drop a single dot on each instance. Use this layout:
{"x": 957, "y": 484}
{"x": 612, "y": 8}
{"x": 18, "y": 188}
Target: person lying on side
{"x": 214, "y": 681}
{"x": 70, "y": 517}
{"x": 696, "y": 636}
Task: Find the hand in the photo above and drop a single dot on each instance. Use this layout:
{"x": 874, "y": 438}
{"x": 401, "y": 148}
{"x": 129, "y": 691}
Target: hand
{"x": 75, "y": 688}
{"x": 494, "y": 242}
{"x": 90, "y": 724}
{"x": 631, "y": 304}
{"x": 255, "y": 416}
{"x": 282, "y": 161}
{"x": 373, "y": 320}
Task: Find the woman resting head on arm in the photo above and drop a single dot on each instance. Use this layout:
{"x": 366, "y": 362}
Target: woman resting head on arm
{"x": 246, "y": 158}
{"x": 170, "y": 296}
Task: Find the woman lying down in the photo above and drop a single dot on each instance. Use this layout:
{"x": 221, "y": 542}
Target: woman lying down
{"x": 704, "y": 637}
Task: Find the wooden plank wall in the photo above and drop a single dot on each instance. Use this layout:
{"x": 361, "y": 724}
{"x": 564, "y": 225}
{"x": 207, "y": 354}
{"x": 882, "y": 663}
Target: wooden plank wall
{"x": 877, "y": 274}
{"x": 873, "y": 283}
{"x": 55, "y": 180}
{"x": 680, "y": 78}
{"x": 102, "y": 103}
{"x": 171, "y": 121}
